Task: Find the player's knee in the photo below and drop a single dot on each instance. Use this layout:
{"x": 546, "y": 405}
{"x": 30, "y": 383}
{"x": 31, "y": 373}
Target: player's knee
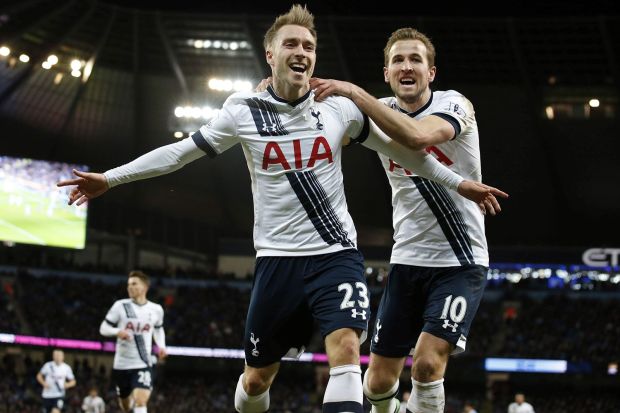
{"x": 346, "y": 349}
{"x": 426, "y": 368}
{"x": 141, "y": 398}
{"x": 378, "y": 382}
{"x": 255, "y": 384}
{"x": 140, "y": 402}
{"x": 125, "y": 404}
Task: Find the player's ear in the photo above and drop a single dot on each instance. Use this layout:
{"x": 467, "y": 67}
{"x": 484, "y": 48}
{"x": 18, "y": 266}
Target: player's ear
{"x": 431, "y": 74}
{"x": 269, "y": 57}
{"x": 385, "y": 75}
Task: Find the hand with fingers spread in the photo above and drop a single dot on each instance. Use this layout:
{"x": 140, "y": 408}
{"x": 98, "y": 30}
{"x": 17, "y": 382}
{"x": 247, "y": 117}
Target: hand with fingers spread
{"x": 328, "y": 87}
{"x": 262, "y": 86}
{"x": 482, "y": 194}
{"x": 88, "y": 185}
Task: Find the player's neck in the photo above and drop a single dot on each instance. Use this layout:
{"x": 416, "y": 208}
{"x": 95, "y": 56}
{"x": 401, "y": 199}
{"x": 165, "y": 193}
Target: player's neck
{"x": 140, "y": 300}
{"x": 416, "y": 104}
{"x": 288, "y": 92}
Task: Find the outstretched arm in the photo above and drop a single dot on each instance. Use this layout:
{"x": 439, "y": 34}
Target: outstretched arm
{"x": 428, "y": 167}
{"x": 414, "y": 134}
{"x": 163, "y": 160}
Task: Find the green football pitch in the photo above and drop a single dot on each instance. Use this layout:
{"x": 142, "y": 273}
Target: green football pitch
{"x": 33, "y": 218}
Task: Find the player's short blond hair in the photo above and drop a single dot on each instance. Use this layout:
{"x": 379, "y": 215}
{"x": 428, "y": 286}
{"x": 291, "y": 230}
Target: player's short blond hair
{"x": 141, "y": 276}
{"x": 297, "y": 15}
{"x": 408, "y": 33}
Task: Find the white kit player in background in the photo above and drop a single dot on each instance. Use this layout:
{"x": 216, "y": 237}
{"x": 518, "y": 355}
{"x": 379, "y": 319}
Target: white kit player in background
{"x": 520, "y": 405}
{"x": 93, "y": 403}
{"x": 56, "y": 377}
{"x": 136, "y": 322}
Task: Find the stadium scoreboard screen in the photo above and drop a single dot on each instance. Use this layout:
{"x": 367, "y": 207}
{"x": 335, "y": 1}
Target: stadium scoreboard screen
{"x": 33, "y": 210}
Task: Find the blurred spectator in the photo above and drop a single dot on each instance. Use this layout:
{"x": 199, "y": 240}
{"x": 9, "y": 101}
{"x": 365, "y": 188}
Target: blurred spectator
{"x": 520, "y": 405}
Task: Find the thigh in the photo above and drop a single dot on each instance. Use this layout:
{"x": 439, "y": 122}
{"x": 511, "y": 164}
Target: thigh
{"x": 141, "y": 395}
{"x": 337, "y": 292}
{"x": 53, "y": 404}
{"x": 122, "y": 382}
{"x": 400, "y": 314}
{"x": 142, "y": 379}
{"x": 278, "y": 316}
{"x": 454, "y": 297}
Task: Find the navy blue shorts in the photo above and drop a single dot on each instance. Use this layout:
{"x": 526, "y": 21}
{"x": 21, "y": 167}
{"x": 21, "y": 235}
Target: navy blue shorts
{"x": 128, "y": 380}
{"x": 290, "y": 293}
{"x": 52, "y": 403}
{"x": 441, "y": 301}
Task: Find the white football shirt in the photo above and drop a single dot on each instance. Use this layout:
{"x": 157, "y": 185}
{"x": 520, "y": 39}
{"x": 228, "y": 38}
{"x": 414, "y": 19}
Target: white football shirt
{"x": 293, "y": 152}
{"x": 524, "y": 407}
{"x": 140, "y": 321}
{"x": 433, "y": 226}
{"x": 55, "y": 375}
{"x": 93, "y": 405}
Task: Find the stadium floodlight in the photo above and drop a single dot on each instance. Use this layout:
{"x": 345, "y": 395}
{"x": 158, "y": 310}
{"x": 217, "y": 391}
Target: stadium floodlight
{"x": 195, "y": 112}
{"x": 549, "y": 112}
{"x": 58, "y": 78}
{"x": 218, "y": 44}
{"x": 5, "y": 51}
{"x": 46, "y": 65}
{"x": 76, "y": 65}
{"x": 76, "y": 73}
{"x": 214, "y": 84}
{"x": 242, "y": 86}
{"x": 594, "y": 103}
{"x": 52, "y": 59}
{"x": 24, "y": 58}
{"x": 227, "y": 85}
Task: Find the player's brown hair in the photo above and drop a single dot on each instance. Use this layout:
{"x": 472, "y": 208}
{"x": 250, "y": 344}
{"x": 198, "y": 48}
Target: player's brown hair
{"x": 408, "y": 33}
{"x": 297, "y": 15}
{"x": 141, "y": 276}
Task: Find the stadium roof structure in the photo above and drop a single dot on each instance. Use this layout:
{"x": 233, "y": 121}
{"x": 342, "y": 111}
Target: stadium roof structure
{"x": 136, "y": 61}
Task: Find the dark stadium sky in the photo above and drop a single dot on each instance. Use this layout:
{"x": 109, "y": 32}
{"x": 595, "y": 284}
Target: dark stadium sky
{"x": 367, "y": 7}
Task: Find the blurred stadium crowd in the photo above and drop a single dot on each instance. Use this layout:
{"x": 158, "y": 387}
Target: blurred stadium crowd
{"x": 526, "y": 320}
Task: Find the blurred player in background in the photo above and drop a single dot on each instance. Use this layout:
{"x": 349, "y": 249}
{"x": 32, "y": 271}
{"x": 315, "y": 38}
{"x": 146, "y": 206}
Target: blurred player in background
{"x": 56, "y": 377}
{"x": 136, "y": 322}
{"x": 520, "y": 405}
{"x": 93, "y": 403}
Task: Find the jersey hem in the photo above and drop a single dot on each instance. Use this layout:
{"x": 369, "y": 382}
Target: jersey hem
{"x": 435, "y": 263}
{"x": 281, "y": 253}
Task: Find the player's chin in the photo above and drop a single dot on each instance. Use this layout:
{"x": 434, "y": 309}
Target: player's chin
{"x": 300, "y": 81}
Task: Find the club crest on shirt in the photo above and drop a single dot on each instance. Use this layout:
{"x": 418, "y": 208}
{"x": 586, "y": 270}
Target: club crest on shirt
{"x": 317, "y": 115}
